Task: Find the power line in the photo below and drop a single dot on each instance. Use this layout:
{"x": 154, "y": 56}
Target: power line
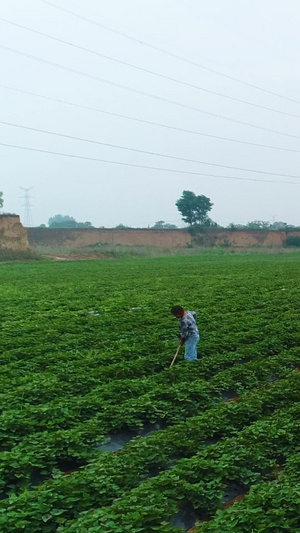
{"x": 170, "y": 54}
{"x": 143, "y": 93}
{"x": 136, "y": 150}
{"x": 134, "y": 165}
{"x": 169, "y": 78}
{"x": 149, "y": 122}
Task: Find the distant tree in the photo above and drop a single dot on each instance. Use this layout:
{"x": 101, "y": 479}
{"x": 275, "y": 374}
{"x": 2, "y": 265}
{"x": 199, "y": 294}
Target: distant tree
{"x": 209, "y": 223}
{"x": 279, "y": 225}
{"x": 86, "y": 224}
{"x": 66, "y": 224}
{"x": 258, "y": 224}
{"x": 61, "y": 221}
{"x": 194, "y": 208}
{"x": 170, "y": 226}
{"x": 290, "y": 227}
{"x": 122, "y": 226}
{"x": 1, "y": 199}
{"x": 161, "y": 224}
{"x": 42, "y": 226}
{"x": 261, "y": 224}
{"x": 234, "y": 226}
{"x": 293, "y": 240}
{"x": 65, "y": 221}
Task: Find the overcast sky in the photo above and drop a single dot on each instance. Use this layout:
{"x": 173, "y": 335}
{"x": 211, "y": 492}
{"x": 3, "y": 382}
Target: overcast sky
{"x": 253, "y": 40}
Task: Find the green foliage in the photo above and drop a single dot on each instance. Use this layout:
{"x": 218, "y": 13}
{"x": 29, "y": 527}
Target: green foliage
{"x": 122, "y": 226}
{"x": 13, "y": 255}
{"x": 263, "y": 225}
{"x": 248, "y": 458}
{"x": 62, "y": 221}
{"x": 234, "y": 226}
{"x": 293, "y": 240}
{"x": 86, "y": 224}
{"x": 1, "y": 199}
{"x": 65, "y": 221}
{"x": 258, "y": 224}
{"x": 194, "y": 209}
{"x": 161, "y": 224}
{"x": 268, "y": 507}
{"x": 279, "y": 225}
{"x": 86, "y": 349}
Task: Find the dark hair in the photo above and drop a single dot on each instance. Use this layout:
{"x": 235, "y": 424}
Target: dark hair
{"x": 177, "y": 310}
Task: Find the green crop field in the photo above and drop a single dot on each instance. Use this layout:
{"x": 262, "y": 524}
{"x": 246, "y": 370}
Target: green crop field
{"x": 98, "y": 435}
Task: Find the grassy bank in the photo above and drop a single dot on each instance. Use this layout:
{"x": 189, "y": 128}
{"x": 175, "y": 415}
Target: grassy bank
{"x": 119, "y": 251}
{"x": 14, "y": 255}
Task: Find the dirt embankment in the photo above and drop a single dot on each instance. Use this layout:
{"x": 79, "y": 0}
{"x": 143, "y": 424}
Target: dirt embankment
{"x": 240, "y": 239}
{"x": 88, "y": 237}
{"x": 80, "y": 238}
{"x": 13, "y": 236}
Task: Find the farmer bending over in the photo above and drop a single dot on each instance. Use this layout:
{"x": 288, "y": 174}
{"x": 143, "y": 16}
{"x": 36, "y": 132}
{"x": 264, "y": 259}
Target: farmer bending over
{"x": 189, "y": 333}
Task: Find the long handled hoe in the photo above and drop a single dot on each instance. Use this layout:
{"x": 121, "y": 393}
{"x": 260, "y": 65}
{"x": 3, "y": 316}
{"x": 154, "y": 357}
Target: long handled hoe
{"x": 175, "y": 356}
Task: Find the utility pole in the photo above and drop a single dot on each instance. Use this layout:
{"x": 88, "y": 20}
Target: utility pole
{"x": 27, "y": 207}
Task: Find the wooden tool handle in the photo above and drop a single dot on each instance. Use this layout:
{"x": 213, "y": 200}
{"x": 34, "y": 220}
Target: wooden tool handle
{"x": 175, "y": 356}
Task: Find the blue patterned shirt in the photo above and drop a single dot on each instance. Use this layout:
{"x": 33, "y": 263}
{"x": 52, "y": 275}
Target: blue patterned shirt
{"x": 187, "y": 325}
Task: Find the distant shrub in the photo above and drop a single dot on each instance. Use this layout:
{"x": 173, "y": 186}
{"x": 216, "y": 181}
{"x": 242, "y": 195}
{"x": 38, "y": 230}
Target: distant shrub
{"x": 293, "y": 240}
{"x": 226, "y": 243}
{"x": 15, "y": 255}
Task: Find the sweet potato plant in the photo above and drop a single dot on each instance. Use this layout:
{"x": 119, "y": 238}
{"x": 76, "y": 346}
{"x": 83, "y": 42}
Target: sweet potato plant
{"x": 85, "y": 354}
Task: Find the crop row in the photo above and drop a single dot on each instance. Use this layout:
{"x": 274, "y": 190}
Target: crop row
{"x": 70, "y": 362}
{"x": 269, "y": 506}
{"x": 241, "y": 300}
{"x": 43, "y": 451}
{"x": 49, "y": 387}
{"x": 113, "y": 475}
{"x": 69, "y": 379}
{"x": 52, "y": 303}
{"x": 202, "y": 480}
{"x": 168, "y": 400}
{"x": 67, "y": 325}
{"x": 39, "y": 388}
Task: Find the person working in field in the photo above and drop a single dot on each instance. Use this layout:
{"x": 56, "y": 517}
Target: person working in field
{"x": 189, "y": 333}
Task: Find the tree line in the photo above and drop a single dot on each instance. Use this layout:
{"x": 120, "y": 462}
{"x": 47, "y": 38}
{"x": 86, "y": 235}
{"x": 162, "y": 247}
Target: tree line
{"x": 194, "y": 210}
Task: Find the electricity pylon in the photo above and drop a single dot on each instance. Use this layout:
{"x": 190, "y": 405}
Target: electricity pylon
{"x": 27, "y": 207}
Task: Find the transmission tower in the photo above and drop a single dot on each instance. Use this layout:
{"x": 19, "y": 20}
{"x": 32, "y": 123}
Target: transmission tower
{"x": 27, "y": 207}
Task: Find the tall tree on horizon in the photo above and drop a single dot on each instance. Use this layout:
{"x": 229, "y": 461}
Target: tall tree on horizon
{"x": 194, "y": 209}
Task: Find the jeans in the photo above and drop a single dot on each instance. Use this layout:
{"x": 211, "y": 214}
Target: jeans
{"x": 191, "y": 347}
